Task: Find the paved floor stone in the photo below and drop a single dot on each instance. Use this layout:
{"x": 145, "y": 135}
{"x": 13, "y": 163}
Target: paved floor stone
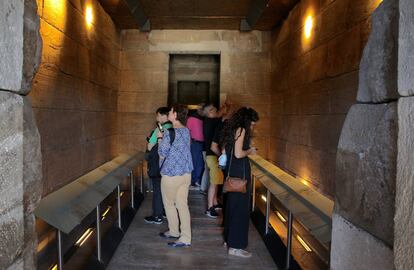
{"x": 142, "y": 248}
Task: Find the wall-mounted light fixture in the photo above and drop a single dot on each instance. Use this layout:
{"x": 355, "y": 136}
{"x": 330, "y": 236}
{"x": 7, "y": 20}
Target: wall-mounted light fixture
{"x": 308, "y": 26}
{"x": 89, "y": 15}
{"x": 303, "y": 243}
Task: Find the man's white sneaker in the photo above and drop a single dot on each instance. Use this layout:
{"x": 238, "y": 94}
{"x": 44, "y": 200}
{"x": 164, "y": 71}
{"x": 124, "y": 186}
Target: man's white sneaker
{"x": 239, "y": 253}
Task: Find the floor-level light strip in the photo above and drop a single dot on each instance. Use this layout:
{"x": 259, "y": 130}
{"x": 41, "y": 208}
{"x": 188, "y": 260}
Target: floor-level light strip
{"x": 84, "y": 236}
{"x": 303, "y": 243}
{"x": 54, "y": 267}
{"x": 122, "y": 193}
{"x": 280, "y": 216}
{"x": 105, "y": 213}
{"x": 263, "y": 198}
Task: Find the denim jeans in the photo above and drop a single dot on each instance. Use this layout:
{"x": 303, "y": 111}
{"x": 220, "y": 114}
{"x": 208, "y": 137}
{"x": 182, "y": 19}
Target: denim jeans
{"x": 157, "y": 205}
{"x": 198, "y": 162}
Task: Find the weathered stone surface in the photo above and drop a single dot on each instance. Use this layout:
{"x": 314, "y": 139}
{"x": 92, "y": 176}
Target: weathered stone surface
{"x": 404, "y": 212}
{"x": 32, "y": 166}
{"x": 366, "y": 168}
{"x": 32, "y": 182}
{"x": 378, "y": 68}
{"x": 11, "y": 178}
{"x": 354, "y": 248}
{"x": 11, "y": 39}
{"x": 32, "y": 46}
{"x": 406, "y": 48}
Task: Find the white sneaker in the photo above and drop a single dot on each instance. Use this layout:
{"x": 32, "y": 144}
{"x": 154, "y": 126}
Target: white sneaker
{"x": 193, "y": 188}
{"x": 239, "y": 253}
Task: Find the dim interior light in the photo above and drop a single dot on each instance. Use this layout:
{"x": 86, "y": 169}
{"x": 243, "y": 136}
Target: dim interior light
{"x": 264, "y": 198}
{"x": 122, "y": 193}
{"x": 280, "y": 216}
{"x": 306, "y": 183}
{"x": 84, "y": 237}
{"x": 42, "y": 244}
{"x": 89, "y": 15}
{"x": 192, "y": 107}
{"x": 308, "y": 26}
{"x": 303, "y": 243}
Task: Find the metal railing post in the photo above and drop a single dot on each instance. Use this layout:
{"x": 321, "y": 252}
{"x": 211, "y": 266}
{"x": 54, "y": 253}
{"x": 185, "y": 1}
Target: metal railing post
{"x": 119, "y": 206}
{"x": 142, "y": 177}
{"x": 254, "y": 192}
{"x": 289, "y": 240}
{"x": 60, "y": 255}
{"x": 98, "y": 231}
{"x": 267, "y": 211}
{"x": 132, "y": 190}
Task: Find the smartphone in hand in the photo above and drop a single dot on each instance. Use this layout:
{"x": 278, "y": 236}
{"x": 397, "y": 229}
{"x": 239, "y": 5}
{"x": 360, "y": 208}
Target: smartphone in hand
{"x": 160, "y": 127}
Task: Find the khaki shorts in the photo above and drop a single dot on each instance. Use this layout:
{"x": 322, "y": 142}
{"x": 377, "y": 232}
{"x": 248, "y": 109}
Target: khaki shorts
{"x": 216, "y": 174}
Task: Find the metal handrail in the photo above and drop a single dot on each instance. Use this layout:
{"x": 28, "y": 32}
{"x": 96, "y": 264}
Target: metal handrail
{"x": 312, "y": 209}
{"x": 67, "y": 207}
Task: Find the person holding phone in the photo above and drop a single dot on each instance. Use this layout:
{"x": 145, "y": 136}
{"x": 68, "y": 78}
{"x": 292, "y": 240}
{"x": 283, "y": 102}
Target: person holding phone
{"x": 176, "y": 167}
{"x": 153, "y": 167}
{"x": 236, "y": 138}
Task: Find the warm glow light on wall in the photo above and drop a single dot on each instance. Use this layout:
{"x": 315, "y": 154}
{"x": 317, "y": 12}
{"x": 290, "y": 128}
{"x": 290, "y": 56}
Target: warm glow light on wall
{"x": 89, "y": 16}
{"x": 308, "y": 26}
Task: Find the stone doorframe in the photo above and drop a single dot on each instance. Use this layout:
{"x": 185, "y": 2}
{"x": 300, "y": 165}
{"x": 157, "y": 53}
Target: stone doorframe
{"x": 20, "y": 156}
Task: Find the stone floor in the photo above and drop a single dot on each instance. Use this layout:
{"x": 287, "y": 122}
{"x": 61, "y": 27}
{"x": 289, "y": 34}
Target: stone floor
{"x": 142, "y": 248}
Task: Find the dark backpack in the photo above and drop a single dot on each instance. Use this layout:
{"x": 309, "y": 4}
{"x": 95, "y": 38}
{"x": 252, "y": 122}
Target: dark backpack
{"x": 153, "y": 159}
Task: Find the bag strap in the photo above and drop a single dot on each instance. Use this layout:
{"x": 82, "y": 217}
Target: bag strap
{"x": 171, "y": 131}
{"x": 244, "y": 164}
{"x": 231, "y": 157}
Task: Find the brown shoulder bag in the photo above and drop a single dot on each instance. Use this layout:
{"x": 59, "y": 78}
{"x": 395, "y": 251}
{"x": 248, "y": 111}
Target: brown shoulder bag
{"x": 235, "y": 184}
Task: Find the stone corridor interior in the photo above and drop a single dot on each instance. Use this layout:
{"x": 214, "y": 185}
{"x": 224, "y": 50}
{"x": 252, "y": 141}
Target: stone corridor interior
{"x": 332, "y": 81}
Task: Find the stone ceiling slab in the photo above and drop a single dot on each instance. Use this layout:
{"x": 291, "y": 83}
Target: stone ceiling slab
{"x": 198, "y": 14}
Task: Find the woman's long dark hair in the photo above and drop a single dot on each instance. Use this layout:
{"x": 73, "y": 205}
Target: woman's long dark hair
{"x": 241, "y": 119}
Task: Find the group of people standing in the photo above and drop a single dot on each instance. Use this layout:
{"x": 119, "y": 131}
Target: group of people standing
{"x": 180, "y": 149}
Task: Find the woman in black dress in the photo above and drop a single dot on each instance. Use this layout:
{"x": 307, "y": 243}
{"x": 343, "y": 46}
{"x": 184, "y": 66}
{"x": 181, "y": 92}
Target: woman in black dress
{"x": 236, "y": 140}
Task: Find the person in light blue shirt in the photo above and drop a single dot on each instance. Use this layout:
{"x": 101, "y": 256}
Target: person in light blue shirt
{"x": 176, "y": 167}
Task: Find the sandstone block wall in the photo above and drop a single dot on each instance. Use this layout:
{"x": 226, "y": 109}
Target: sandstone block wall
{"x": 244, "y": 76}
{"x": 314, "y": 83}
{"x": 75, "y": 91}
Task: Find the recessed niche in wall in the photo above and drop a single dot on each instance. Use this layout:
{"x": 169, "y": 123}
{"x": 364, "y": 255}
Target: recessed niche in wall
{"x": 194, "y": 79}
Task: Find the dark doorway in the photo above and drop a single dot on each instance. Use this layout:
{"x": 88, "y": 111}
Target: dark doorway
{"x": 193, "y": 92}
{"x": 194, "y": 79}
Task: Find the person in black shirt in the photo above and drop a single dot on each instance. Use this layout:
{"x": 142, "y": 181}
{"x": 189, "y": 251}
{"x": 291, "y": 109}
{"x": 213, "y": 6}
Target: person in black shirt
{"x": 235, "y": 138}
{"x": 211, "y": 121}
